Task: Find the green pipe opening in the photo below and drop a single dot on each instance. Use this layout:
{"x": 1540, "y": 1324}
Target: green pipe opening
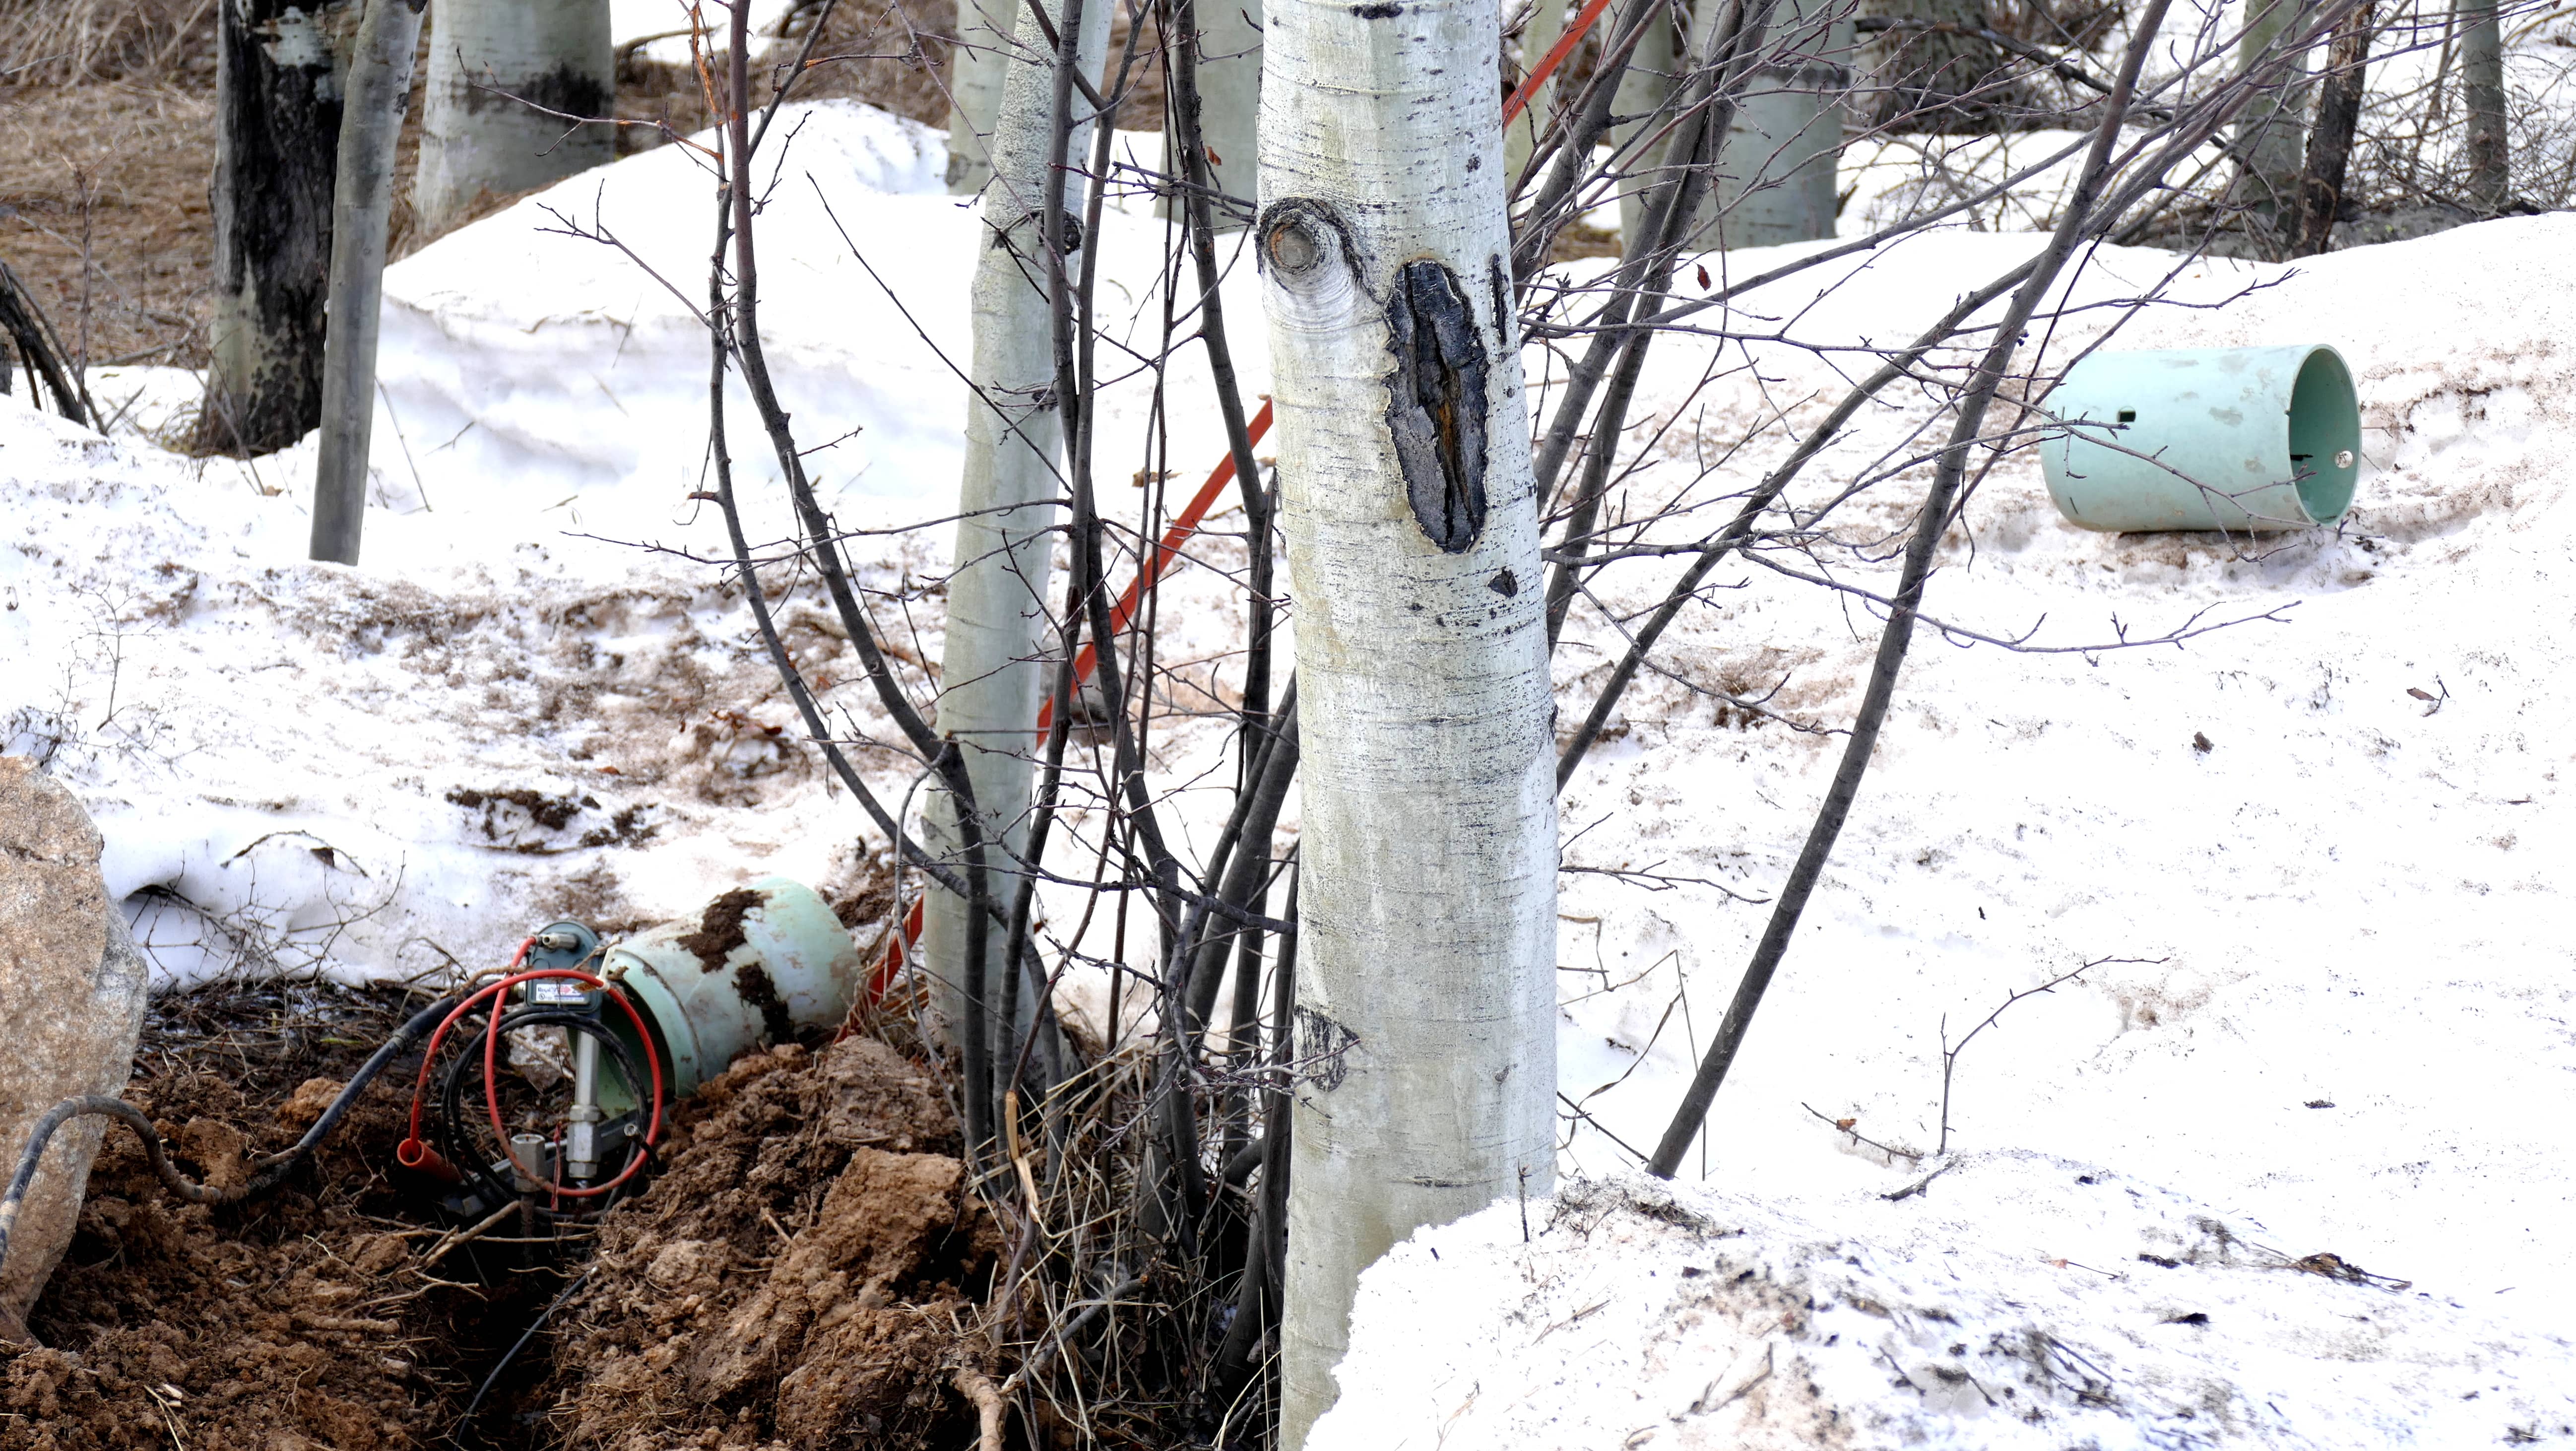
{"x": 2234, "y": 439}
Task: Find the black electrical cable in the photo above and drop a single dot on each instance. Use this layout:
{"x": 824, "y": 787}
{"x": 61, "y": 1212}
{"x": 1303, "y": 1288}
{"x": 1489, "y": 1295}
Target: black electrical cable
{"x": 271, "y": 1172}
{"x": 457, "y": 1436}
{"x": 452, "y": 1118}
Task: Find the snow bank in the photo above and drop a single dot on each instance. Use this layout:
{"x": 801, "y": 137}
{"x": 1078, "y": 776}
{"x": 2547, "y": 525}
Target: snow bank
{"x": 304, "y": 767}
{"x": 514, "y": 352}
{"x": 538, "y": 696}
{"x": 386, "y": 770}
{"x": 2014, "y": 1301}
{"x": 2340, "y": 1005}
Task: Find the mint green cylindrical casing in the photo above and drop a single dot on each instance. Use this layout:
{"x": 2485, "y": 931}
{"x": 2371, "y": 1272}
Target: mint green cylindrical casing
{"x": 758, "y": 965}
{"x": 2240, "y": 439}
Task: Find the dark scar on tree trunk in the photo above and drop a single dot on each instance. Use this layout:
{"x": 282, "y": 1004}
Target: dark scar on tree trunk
{"x": 1437, "y": 407}
{"x": 1322, "y": 1042}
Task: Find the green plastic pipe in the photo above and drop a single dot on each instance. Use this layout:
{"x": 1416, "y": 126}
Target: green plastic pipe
{"x": 2239, "y": 439}
{"x": 744, "y": 974}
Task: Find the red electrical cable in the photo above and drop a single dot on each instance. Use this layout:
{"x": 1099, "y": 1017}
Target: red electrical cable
{"x": 492, "y": 1076}
{"x": 411, "y": 1153}
{"x": 1183, "y": 526}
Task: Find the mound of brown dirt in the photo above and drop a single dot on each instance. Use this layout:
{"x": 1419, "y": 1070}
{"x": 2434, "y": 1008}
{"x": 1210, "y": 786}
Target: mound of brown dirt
{"x": 804, "y": 1271}
{"x": 801, "y": 1274}
{"x": 284, "y": 1324}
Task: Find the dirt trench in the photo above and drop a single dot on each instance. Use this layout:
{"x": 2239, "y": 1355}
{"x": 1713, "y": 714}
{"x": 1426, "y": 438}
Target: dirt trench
{"x": 800, "y": 1273}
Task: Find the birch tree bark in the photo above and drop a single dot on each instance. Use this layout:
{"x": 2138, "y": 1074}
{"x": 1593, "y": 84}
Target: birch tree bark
{"x": 1425, "y": 987}
{"x": 492, "y": 63}
{"x": 991, "y": 667}
{"x": 1229, "y": 88}
{"x": 1776, "y": 179}
{"x": 978, "y": 62}
{"x": 2482, "y": 98}
{"x": 277, "y": 132}
{"x": 1546, "y": 23}
{"x": 1643, "y": 89}
{"x": 361, "y": 213}
{"x": 2271, "y": 134}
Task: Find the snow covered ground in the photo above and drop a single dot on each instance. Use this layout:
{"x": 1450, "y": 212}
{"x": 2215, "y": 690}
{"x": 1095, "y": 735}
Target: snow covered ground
{"x": 535, "y": 672}
{"x": 530, "y": 702}
{"x": 2340, "y": 1010}
{"x": 2017, "y": 1301}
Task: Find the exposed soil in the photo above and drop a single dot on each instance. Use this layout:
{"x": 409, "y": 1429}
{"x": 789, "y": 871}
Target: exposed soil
{"x": 800, "y": 1276}
{"x": 797, "y": 1275}
{"x": 289, "y": 1322}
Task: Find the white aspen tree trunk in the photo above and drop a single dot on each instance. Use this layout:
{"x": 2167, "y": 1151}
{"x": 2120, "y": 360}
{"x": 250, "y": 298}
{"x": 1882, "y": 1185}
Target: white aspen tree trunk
{"x": 992, "y": 674}
{"x": 2272, "y": 130}
{"x": 1229, "y": 76}
{"x": 361, "y": 214}
{"x": 1230, "y": 95}
{"x": 976, "y": 67}
{"x": 478, "y": 138}
{"x": 1642, "y": 91}
{"x": 1426, "y": 995}
{"x": 2482, "y": 100}
{"x": 1538, "y": 37}
{"x": 1776, "y": 180}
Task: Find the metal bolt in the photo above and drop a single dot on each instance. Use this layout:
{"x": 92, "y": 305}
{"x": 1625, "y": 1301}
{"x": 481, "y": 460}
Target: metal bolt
{"x": 529, "y": 1162}
{"x": 2343, "y": 458}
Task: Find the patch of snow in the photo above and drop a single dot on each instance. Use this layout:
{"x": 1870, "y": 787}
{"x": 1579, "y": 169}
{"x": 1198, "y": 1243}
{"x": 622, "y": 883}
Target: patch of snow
{"x": 2015, "y": 1300}
{"x": 538, "y": 696}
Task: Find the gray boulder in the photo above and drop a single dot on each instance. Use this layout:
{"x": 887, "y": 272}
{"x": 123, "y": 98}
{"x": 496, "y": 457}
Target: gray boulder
{"x": 71, "y": 991}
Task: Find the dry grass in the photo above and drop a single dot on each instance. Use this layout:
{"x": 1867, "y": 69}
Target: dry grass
{"x": 60, "y": 42}
{"x": 106, "y": 144}
{"x": 103, "y": 212}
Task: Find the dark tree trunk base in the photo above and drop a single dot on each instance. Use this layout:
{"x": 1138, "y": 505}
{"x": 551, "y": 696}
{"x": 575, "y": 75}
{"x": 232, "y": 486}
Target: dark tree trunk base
{"x": 277, "y": 117}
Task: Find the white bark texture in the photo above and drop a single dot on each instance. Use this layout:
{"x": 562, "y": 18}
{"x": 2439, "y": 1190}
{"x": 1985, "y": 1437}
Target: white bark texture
{"x": 992, "y": 675}
{"x": 1229, "y": 101}
{"x": 2482, "y": 99}
{"x": 362, "y": 200}
{"x": 1775, "y": 178}
{"x": 976, "y": 66}
{"x": 2272, "y": 130}
{"x": 1538, "y": 37}
{"x": 478, "y": 136}
{"x": 1643, "y": 89}
{"x": 1426, "y": 966}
